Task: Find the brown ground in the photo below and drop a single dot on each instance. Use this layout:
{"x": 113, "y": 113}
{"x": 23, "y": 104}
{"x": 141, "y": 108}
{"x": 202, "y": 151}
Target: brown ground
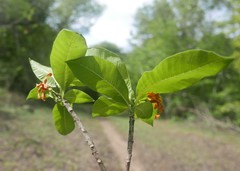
{"x": 181, "y": 147}
{"x": 119, "y": 146}
{"x": 29, "y": 142}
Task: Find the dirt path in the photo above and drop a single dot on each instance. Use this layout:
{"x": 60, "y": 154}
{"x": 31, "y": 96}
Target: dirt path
{"x": 119, "y": 146}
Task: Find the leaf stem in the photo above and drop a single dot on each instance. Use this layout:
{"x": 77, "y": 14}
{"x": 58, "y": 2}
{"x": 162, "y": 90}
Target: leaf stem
{"x": 130, "y": 138}
{"x": 85, "y": 134}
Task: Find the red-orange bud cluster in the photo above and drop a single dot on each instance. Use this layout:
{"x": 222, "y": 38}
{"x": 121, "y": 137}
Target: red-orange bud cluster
{"x": 156, "y": 99}
{"x": 42, "y": 87}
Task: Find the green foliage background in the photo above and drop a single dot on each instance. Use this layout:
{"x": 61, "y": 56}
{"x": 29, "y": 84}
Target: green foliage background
{"x": 162, "y": 28}
{"x": 28, "y": 29}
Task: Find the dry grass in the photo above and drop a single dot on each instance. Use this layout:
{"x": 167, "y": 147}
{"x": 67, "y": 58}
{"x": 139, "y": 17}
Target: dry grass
{"x": 184, "y": 146}
{"x": 28, "y": 141}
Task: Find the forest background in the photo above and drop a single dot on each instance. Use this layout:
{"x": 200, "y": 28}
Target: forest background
{"x": 162, "y": 28}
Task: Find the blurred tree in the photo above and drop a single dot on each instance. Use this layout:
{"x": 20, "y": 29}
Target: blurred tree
{"x": 165, "y": 27}
{"x": 79, "y": 14}
{"x": 28, "y": 28}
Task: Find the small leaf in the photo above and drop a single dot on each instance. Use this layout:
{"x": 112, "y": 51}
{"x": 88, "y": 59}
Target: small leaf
{"x": 41, "y": 72}
{"x": 107, "y": 107}
{"x": 144, "y": 110}
{"x": 77, "y": 96}
{"x": 62, "y": 119}
{"x": 180, "y": 71}
{"x": 68, "y": 45}
{"x": 33, "y": 94}
{"x": 149, "y": 120}
{"x": 101, "y": 76}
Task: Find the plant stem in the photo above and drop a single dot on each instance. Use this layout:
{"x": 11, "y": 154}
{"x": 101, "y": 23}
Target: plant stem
{"x": 130, "y": 139}
{"x": 85, "y": 134}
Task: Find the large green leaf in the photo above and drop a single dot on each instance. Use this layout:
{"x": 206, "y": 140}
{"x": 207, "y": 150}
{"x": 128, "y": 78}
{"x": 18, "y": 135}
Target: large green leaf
{"x": 107, "y": 107}
{"x": 68, "y": 45}
{"x": 180, "y": 71}
{"x": 77, "y": 96}
{"x": 100, "y": 52}
{"x": 41, "y": 72}
{"x": 101, "y": 76}
{"x": 124, "y": 73}
{"x": 144, "y": 110}
{"x": 76, "y": 83}
{"x": 112, "y": 57}
{"x": 62, "y": 119}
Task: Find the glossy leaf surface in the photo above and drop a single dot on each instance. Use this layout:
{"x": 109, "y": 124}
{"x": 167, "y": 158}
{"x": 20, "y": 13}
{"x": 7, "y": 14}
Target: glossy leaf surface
{"x": 68, "y": 45}
{"x": 149, "y": 120}
{"x": 41, "y": 72}
{"x": 107, "y": 107}
{"x": 77, "y": 96}
{"x": 76, "y": 83}
{"x": 112, "y": 57}
{"x": 62, "y": 119}
{"x": 124, "y": 73}
{"x": 33, "y": 94}
{"x": 101, "y": 76}
{"x": 180, "y": 71}
{"x": 100, "y": 52}
{"x": 144, "y": 110}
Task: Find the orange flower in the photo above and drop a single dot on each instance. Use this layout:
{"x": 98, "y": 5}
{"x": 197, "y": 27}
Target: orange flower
{"x": 42, "y": 87}
{"x": 157, "y": 116}
{"x": 153, "y": 98}
{"x": 157, "y": 101}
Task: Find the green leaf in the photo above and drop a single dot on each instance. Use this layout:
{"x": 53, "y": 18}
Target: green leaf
{"x": 149, "y": 120}
{"x": 144, "y": 110}
{"x": 124, "y": 73}
{"x": 33, "y": 94}
{"x": 112, "y": 57}
{"x": 41, "y": 72}
{"x": 100, "y": 52}
{"x": 76, "y": 83}
{"x": 101, "y": 76}
{"x": 62, "y": 119}
{"x": 107, "y": 107}
{"x": 68, "y": 45}
{"x": 77, "y": 96}
{"x": 180, "y": 71}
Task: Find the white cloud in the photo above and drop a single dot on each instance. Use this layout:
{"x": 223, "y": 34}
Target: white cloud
{"x": 115, "y": 24}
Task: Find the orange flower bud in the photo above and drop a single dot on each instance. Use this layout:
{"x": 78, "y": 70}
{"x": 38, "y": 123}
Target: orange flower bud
{"x": 157, "y": 101}
{"x": 157, "y": 116}
{"x": 42, "y": 87}
{"x": 43, "y": 97}
{"x": 49, "y": 75}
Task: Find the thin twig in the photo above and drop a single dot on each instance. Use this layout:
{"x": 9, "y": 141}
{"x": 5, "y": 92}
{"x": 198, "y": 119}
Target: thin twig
{"x": 130, "y": 140}
{"x": 85, "y": 134}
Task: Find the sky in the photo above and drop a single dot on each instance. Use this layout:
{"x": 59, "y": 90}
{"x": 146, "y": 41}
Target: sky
{"x": 115, "y": 23}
